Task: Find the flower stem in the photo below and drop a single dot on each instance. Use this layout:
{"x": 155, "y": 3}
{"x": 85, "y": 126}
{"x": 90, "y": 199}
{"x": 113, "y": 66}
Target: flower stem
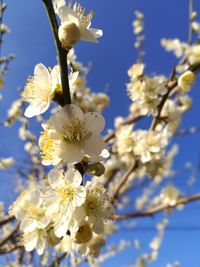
{"x": 190, "y": 21}
{"x": 61, "y": 52}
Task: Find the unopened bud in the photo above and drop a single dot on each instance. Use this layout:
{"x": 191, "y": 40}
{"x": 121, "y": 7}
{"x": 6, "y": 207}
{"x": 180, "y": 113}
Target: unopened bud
{"x": 185, "y": 80}
{"x": 52, "y": 239}
{"x": 69, "y": 34}
{"x": 96, "y": 169}
{"x": 84, "y": 233}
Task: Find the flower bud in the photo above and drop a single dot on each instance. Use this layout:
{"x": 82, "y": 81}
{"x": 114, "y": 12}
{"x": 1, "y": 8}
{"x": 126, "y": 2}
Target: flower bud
{"x": 84, "y": 233}
{"x": 69, "y": 34}
{"x": 1, "y": 82}
{"x": 185, "y": 81}
{"x": 96, "y": 169}
{"x": 52, "y": 239}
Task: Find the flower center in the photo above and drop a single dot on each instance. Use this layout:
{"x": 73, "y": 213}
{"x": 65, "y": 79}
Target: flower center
{"x": 75, "y": 132}
{"x": 79, "y": 10}
{"x": 92, "y": 205}
{"x": 66, "y": 193}
{"x": 35, "y": 212}
{"x": 34, "y": 91}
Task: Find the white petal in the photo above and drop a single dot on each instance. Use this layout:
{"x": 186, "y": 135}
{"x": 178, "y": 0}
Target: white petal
{"x": 28, "y": 225}
{"x": 55, "y": 77}
{"x": 96, "y": 32}
{"x": 87, "y": 35}
{"x": 94, "y": 146}
{"x": 50, "y": 201}
{"x": 65, "y": 116}
{"x": 41, "y": 243}
{"x": 73, "y": 177}
{"x": 70, "y": 153}
{"x": 79, "y": 214}
{"x": 42, "y": 223}
{"x": 55, "y": 178}
{"x": 42, "y": 75}
{"x": 98, "y": 226}
{"x": 80, "y": 196}
{"x": 73, "y": 77}
{"x": 61, "y": 229}
{"x": 35, "y": 196}
{"x": 67, "y": 14}
{"x": 30, "y": 240}
{"x": 104, "y": 155}
{"x": 94, "y": 121}
{"x": 36, "y": 108}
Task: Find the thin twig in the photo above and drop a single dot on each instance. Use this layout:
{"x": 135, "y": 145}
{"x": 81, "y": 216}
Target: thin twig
{"x": 58, "y": 260}
{"x": 155, "y": 210}
{"x": 5, "y": 239}
{"x": 190, "y": 21}
{"x": 124, "y": 180}
{"x": 6, "y": 219}
{"x": 129, "y": 120}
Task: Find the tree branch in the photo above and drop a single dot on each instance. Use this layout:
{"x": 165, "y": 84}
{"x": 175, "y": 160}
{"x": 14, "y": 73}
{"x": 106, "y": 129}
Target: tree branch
{"x": 62, "y": 54}
{"x": 155, "y": 210}
{"x": 5, "y": 239}
{"x": 129, "y": 120}
{"x": 190, "y": 21}
{"x": 6, "y": 219}
{"x": 124, "y": 180}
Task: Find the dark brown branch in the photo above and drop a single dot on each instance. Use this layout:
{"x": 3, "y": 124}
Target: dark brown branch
{"x": 10, "y": 249}
{"x": 6, "y": 219}
{"x": 171, "y": 85}
{"x": 7, "y": 238}
{"x": 58, "y": 260}
{"x": 62, "y": 54}
{"x": 123, "y": 181}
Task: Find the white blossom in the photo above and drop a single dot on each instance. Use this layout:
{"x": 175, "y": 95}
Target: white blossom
{"x": 75, "y": 25}
{"x": 64, "y": 195}
{"x": 39, "y": 91}
{"x": 75, "y": 135}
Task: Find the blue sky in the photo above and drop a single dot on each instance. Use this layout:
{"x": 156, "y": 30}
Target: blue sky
{"x": 32, "y": 42}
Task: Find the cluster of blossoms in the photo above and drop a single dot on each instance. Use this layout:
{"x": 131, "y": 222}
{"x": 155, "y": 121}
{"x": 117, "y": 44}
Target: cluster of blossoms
{"x": 65, "y": 209}
{"x": 64, "y": 206}
{"x": 146, "y": 92}
{"x": 45, "y": 87}
{"x": 146, "y": 145}
{"x": 63, "y": 203}
{"x": 181, "y": 49}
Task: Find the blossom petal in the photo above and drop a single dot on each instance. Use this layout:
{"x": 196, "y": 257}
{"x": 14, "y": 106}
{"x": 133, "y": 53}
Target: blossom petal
{"x": 42, "y": 75}
{"x": 61, "y": 229}
{"x": 55, "y": 178}
{"x": 67, "y": 14}
{"x": 94, "y": 146}
{"x": 70, "y": 153}
{"x": 30, "y": 240}
{"x": 65, "y": 116}
{"x": 28, "y": 225}
{"x": 73, "y": 177}
{"x": 87, "y": 35}
{"x": 36, "y": 108}
{"x": 95, "y": 122}
{"x": 35, "y": 197}
{"x": 96, "y": 32}
{"x": 55, "y": 77}
{"x": 41, "y": 243}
